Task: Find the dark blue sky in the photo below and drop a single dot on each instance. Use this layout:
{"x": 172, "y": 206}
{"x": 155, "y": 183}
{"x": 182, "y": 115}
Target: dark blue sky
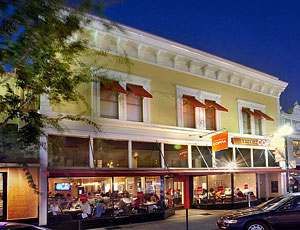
{"x": 264, "y": 35}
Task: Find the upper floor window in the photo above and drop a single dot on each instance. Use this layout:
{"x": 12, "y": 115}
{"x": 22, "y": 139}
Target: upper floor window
{"x": 296, "y": 148}
{"x": 190, "y": 104}
{"x": 252, "y": 118}
{"x": 134, "y": 107}
{"x": 210, "y": 117}
{"x": 122, "y": 96}
{"x": 108, "y": 104}
{"x": 198, "y": 109}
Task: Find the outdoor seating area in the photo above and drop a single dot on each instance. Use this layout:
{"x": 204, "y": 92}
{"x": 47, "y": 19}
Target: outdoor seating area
{"x": 91, "y": 198}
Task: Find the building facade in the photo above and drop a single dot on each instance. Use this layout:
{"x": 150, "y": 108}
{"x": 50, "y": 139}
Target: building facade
{"x": 157, "y": 120}
{"x": 292, "y": 118}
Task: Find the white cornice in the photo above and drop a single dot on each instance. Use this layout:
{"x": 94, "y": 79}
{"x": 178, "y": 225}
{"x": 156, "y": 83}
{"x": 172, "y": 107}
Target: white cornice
{"x": 178, "y": 57}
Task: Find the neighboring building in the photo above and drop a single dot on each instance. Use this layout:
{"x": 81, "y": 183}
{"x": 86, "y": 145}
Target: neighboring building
{"x": 156, "y": 134}
{"x": 292, "y": 118}
{"x": 18, "y": 201}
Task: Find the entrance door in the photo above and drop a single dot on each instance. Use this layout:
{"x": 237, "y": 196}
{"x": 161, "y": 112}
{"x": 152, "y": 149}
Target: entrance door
{"x": 178, "y": 194}
{"x": 3, "y": 196}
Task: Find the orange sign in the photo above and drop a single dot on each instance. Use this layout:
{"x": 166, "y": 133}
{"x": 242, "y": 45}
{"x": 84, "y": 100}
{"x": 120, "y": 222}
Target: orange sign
{"x": 220, "y": 141}
{"x": 250, "y": 141}
{"x": 183, "y": 152}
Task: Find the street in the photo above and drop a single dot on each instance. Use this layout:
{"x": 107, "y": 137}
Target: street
{"x": 198, "y": 219}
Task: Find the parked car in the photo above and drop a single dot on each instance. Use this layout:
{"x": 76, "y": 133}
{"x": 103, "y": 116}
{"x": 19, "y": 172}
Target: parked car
{"x": 282, "y": 212}
{"x": 13, "y": 225}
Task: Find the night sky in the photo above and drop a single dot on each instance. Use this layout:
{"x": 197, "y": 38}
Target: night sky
{"x": 261, "y": 34}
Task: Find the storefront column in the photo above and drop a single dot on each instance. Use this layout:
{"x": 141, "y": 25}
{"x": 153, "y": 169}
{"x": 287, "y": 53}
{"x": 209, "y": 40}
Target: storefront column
{"x": 283, "y": 183}
{"x": 162, "y": 157}
{"x": 91, "y": 152}
{"x": 43, "y": 188}
{"x": 214, "y": 159}
{"x": 190, "y": 164}
{"x": 234, "y": 155}
{"x": 267, "y": 186}
{"x": 232, "y": 188}
{"x": 266, "y": 157}
{"x": 162, "y": 195}
{"x": 258, "y": 185}
{"x": 251, "y": 154}
{"x": 130, "y": 154}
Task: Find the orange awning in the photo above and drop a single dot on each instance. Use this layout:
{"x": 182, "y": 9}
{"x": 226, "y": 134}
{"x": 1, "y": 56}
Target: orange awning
{"x": 114, "y": 87}
{"x": 139, "y": 91}
{"x": 194, "y": 101}
{"x": 253, "y": 114}
{"x": 215, "y": 105}
{"x": 260, "y": 113}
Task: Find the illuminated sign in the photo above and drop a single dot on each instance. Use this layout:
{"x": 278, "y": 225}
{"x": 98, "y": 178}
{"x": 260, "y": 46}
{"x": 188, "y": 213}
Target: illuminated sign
{"x": 250, "y": 141}
{"x": 220, "y": 141}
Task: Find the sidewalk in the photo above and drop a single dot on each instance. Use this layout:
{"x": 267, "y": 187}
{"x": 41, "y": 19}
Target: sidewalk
{"x": 198, "y": 219}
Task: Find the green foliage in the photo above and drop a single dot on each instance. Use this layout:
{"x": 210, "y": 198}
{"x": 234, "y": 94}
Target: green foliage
{"x": 35, "y": 42}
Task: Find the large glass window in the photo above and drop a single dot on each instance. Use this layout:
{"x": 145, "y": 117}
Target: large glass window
{"x": 224, "y": 158}
{"x": 176, "y": 155}
{"x": 244, "y": 184}
{"x": 188, "y": 114}
{"x": 210, "y": 117}
{"x": 108, "y": 104}
{"x": 146, "y": 155}
{"x": 199, "y": 154}
{"x": 95, "y": 197}
{"x": 259, "y": 158}
{"x": 296, "y": 148}
{"x": 2, "y": 196}
{"x": 246, "y": 123}
{"x": 169, "y": 192}
{"x": 134, "y": 107}
{"x": 68, "y": 151}
{"x": 258, "y": 129}
{"x": 243, "y": 157}
{"x": 110, "y": 153}
{"x": 219, "y": 188}
{"x": 271, "y": 159}
{"x": 200, "y": 190}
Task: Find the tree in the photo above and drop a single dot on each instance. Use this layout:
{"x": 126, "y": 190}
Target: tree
{"x": 35, "y": 46}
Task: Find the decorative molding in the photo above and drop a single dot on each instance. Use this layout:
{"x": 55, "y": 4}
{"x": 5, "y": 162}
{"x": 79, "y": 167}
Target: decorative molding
{"x": 166, "y": 50}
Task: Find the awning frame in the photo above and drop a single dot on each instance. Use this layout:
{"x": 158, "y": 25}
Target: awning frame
{"x": 139, "y": 91}
{"x": 252, "y": 114}
{"x": 215, "y": 105}
{"x": 262, "y": 114}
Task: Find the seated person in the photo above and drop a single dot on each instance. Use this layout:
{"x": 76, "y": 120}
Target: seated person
{"x": 238, "y": 192}
{"x": 55, "y": 207}
{"x": 99, "y": 209}
{"x": 86, "y": 209}
{"x": 136, "y": 204}
{"x": 218, "y": 195}
{"x": 68, "y": 202}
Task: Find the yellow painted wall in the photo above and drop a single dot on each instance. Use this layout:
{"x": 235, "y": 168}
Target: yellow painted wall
{"x": 22, "y": 202}
{"x": 163, "y": 89}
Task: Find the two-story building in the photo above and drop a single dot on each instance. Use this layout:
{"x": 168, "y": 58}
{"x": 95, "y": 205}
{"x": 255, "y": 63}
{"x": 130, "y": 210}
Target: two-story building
{"x": 157, "y": 121}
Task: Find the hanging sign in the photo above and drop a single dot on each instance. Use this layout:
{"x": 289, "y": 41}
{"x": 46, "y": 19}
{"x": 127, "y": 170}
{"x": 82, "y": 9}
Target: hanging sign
{"x": 220, "y": 141}
{"x": 245, "y": 186}
{"x": 250, "y": 141}
{"x": 199, "y": 189}
{"x": 183, "y": 152}
{"x": 220, "y": 188}
{"x": 140, "y": 194}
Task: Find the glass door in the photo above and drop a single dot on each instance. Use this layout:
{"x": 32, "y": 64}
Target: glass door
{"x": 3, "y": 196}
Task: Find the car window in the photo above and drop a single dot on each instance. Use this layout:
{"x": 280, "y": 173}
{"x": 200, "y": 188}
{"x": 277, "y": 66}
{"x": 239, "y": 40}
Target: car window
{"x": 296, "y": 204}
{"x": 275, "y": 203}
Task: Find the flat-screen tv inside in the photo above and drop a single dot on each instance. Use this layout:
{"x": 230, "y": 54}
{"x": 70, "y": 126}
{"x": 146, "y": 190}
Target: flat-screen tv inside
{"x": 62, "y": 186}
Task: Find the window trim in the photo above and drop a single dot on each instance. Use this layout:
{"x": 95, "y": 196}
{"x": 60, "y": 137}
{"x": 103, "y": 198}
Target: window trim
{"x": 123, "y": 79}
{"x": 200, "y": 95}
{"x": 252, "y": 106}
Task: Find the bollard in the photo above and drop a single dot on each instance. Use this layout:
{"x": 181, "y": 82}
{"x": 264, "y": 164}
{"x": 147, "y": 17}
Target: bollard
{"x": 249, "y": 201}
{"x": 187, "y": 218}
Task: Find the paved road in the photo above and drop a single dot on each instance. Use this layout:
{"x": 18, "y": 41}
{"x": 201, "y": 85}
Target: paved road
{"x": 198, "y": 219}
